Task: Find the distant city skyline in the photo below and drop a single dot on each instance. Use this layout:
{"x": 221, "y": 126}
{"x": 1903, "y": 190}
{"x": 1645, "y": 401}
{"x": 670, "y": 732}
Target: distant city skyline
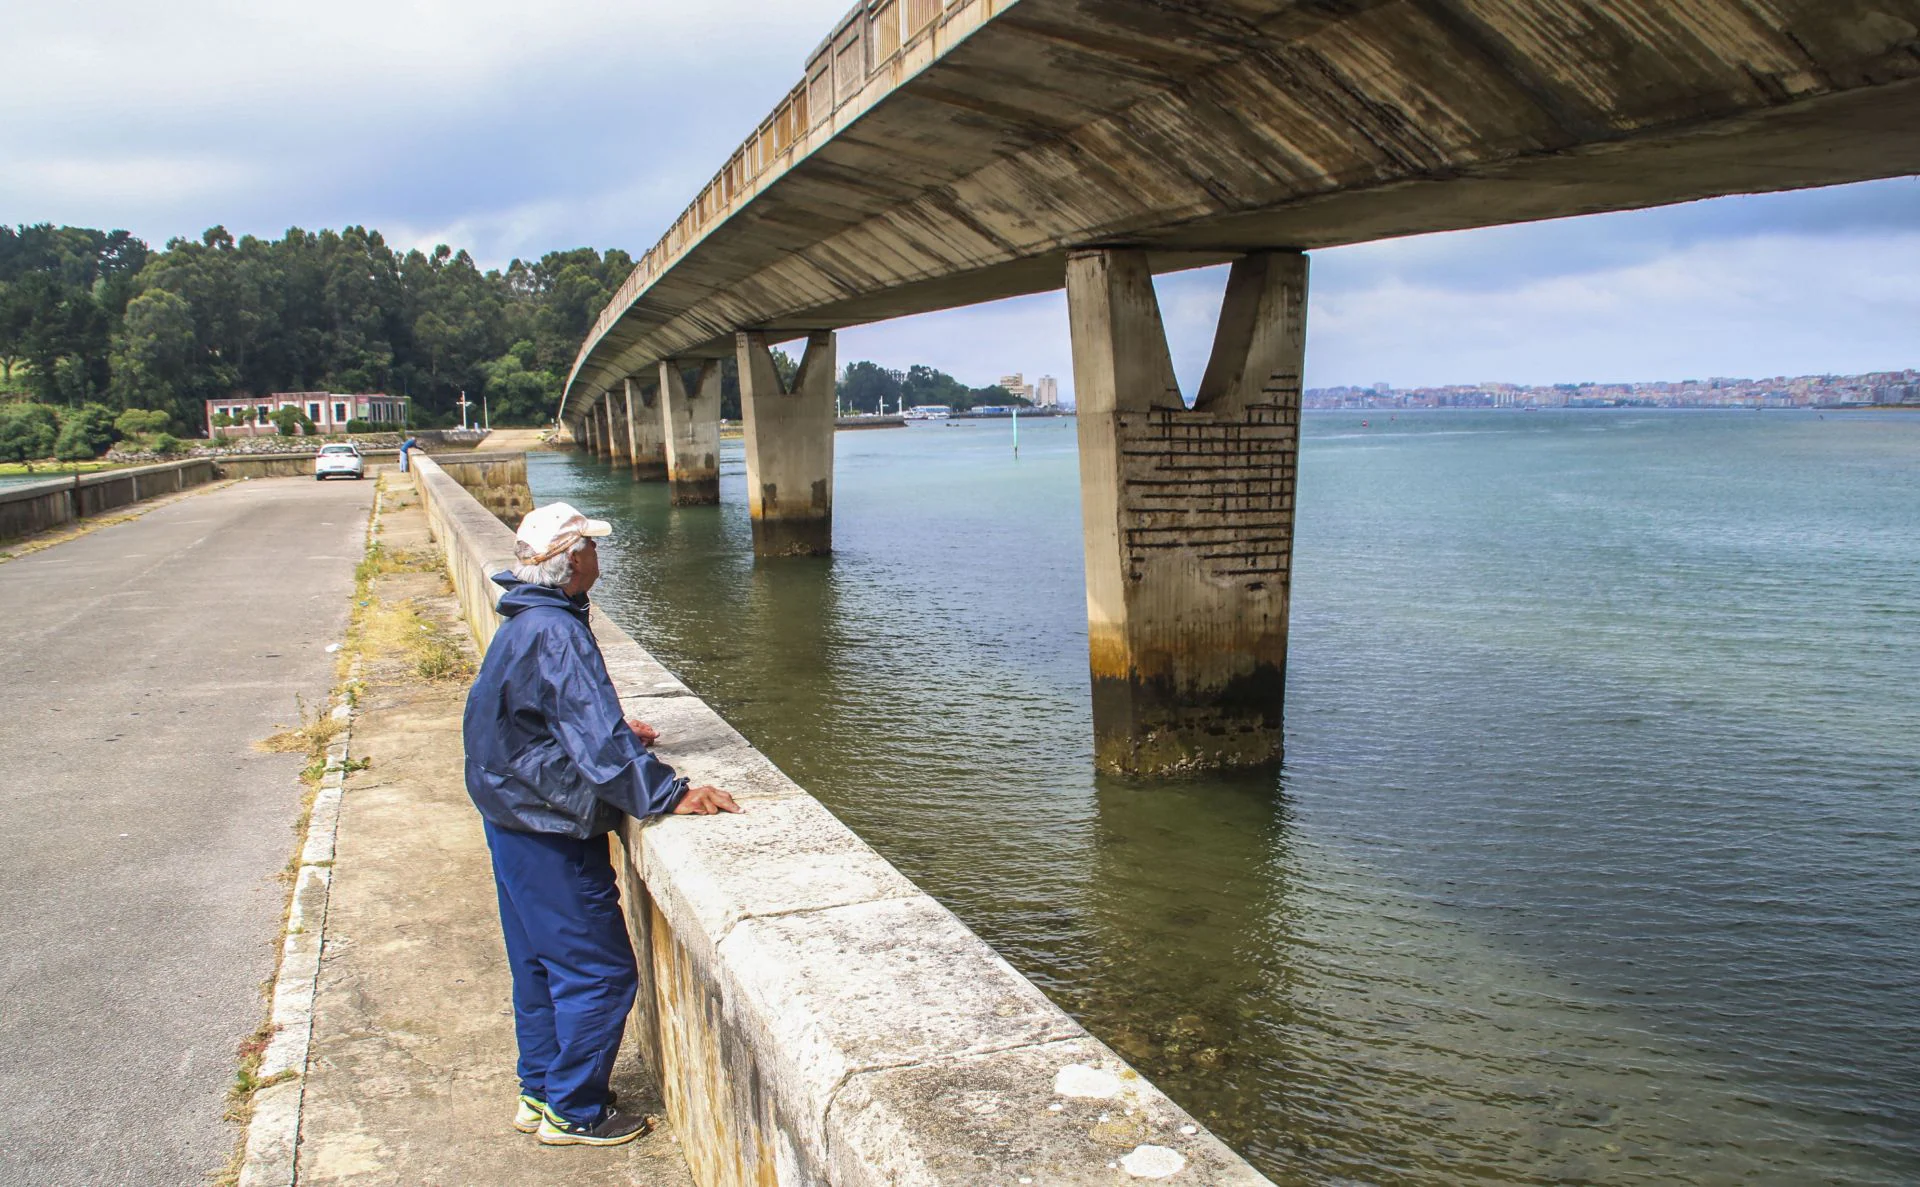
{"x": 1879, "y": 389}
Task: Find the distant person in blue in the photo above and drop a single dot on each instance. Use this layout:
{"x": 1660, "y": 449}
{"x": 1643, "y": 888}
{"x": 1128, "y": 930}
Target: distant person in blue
{"x": 406, "y": 452}
{"x": 553, "y": 765}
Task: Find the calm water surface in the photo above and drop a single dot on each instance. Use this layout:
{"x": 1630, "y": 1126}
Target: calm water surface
{"x": 1596, "y": 857}
{"x": 7, "y": 480}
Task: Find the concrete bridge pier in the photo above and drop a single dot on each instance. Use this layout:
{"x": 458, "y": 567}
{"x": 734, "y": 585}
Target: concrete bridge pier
{"x": 619, "y": 439}
{"x": 648, "y": 449}
{"x": 691, "y": 420}
{"x": 1188, "y": 514}
{"x": 615, "y": 450}
{"x": 789, "y": 431}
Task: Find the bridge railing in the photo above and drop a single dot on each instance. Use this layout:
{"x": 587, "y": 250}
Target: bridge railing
{"x": 866, "y": 40}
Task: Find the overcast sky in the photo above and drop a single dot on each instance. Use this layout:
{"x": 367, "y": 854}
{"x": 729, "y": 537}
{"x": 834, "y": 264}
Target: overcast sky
{"x": 511, "y": 128}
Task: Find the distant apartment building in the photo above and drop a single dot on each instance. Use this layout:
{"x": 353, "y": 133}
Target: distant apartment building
{"x": 251, "y": 416}
{"x": 1017, "y": 385}
{"x": 1046, "y": 392}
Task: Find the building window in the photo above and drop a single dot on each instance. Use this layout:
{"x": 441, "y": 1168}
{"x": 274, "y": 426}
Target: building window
{"x": 313, "y": 412}
{"x": 266, "y": 411}
{"x": 339, "y": 414}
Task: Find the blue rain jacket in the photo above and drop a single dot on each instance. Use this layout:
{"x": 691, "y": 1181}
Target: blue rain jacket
{"x": 548, "y": 749}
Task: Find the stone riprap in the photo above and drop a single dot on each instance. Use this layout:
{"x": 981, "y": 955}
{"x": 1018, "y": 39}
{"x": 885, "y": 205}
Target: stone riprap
{"x": 811, "y": 1015}
{"x": 431, "y": 440}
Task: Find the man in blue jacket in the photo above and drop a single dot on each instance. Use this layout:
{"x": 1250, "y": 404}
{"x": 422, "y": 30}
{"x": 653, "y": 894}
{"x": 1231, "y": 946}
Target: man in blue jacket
{"x": 553, "y": 765}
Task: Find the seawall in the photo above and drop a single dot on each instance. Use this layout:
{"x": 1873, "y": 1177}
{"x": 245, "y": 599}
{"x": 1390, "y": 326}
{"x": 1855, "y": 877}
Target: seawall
{"x": 34, "y": 507}
{"x": 498, "y": 479}
{"x": 812, "y": 1016}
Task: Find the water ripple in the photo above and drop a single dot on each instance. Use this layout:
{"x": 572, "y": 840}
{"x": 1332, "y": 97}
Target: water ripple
{"x": 1596, "y": 857}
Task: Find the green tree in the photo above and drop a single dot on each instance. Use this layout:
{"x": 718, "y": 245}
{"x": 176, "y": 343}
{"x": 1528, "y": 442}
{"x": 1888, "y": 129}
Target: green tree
{"x": 865, "y": 386}
{"x": 137, "y": 421}
{"x": 293, "y": 420}
{"x": 85, "y": 433}
{"x": 993, "y": 395}
{"x": 27, "y": 432}
{"x": 62, "y": 290}
{"x": 16, "y": 314}
{"x": 517, "y": 396}
{"x": 153, "y": 354}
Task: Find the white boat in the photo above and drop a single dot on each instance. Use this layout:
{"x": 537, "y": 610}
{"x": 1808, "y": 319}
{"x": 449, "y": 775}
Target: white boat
{"x": 928, "y": 412}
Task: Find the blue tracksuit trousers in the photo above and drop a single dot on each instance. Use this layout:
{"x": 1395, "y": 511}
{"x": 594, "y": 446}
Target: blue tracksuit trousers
{"x": 574, "y": 977}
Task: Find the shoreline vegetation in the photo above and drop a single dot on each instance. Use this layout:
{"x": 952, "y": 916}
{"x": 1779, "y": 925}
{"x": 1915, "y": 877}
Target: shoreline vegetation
{"x": 106, "y": 340}
{"x": 102, "y": 322}
{"x": 101, "y": 317}
{"x": 53, "y": 469}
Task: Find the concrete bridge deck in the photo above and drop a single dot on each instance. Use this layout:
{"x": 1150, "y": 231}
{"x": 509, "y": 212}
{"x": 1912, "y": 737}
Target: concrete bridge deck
{"x": 944, "y": 152}
{"x": 140, "y": 833}
{"x": 939, "y": 154}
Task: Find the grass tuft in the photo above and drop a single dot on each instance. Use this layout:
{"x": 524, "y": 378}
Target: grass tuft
{"x": 316, "y": 732}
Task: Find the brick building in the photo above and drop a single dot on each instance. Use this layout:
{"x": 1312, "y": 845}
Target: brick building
{"x": 329, "y": 412}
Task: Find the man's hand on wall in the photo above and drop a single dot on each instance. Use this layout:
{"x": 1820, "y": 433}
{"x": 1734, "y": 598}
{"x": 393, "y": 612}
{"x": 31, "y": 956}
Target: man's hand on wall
{"x": 646, "y": 733}
{"x": 704, "y": 801}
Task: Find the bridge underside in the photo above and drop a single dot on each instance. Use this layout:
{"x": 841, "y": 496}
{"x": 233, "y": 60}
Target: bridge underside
{"x": 1089, "y": 144}
{"x": 1063, "y": 124}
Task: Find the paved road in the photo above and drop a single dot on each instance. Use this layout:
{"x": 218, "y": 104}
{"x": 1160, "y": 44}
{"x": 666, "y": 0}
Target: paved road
{"x": 139, "y": 832}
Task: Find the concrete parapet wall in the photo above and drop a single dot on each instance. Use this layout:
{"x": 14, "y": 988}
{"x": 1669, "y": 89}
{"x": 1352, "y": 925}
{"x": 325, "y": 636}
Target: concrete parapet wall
{"x": 289, "y": 465}
{"x": 497, "y": 480}
{"x": 41, "y": 506}
{"x": 814, "y": 1017}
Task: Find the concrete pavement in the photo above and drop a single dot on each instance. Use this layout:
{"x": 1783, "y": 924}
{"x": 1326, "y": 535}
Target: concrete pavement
{"x": 140, "y": 833}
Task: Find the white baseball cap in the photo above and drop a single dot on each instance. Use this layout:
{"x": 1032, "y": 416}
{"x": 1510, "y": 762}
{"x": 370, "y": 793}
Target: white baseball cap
{"x": 548, "y": 531}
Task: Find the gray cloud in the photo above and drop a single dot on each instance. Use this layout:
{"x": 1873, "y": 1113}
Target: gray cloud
{"x": 167, "y": 119}
{"x": 514, "y": 129}
{"x": 1807, "y": 283}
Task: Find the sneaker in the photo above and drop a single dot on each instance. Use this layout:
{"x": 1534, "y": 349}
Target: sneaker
{"x": 529, "y": 1113}
{"x": 532, "y": 1110}
{"x": 614, "y": 1129}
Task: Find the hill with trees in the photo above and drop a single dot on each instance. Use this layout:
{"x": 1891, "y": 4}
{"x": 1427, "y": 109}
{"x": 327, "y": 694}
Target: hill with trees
{"x": 98, "y": 317}
{"x": 94, "y": 324}
{"x": 865, "y": 386}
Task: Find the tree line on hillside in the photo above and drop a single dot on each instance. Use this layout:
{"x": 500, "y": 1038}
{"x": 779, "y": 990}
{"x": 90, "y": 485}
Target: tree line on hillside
{"x": 868, "y": 387}
{"x": 97, "y": 323}
{"x": 98, "y": 317}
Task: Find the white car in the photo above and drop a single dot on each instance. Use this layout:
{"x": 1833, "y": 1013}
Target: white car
{"x": 339, "y": 461}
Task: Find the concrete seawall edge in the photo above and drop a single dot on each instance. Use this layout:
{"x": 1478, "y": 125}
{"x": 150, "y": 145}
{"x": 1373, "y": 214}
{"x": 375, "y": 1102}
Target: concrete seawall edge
{"x": 814, "y": 1017}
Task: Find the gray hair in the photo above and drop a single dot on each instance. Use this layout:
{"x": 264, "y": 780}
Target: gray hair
{"x": 555, "y": 571}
